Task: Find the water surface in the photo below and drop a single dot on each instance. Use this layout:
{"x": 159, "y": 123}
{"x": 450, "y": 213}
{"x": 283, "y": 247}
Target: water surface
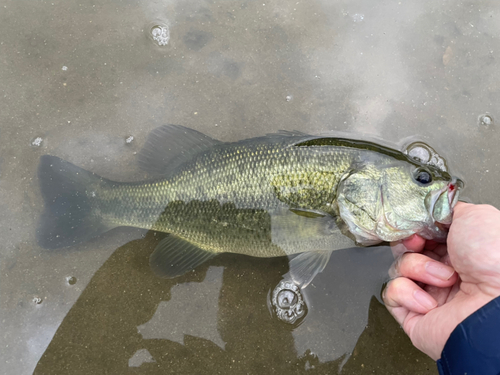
{"x": 86, "y": 81}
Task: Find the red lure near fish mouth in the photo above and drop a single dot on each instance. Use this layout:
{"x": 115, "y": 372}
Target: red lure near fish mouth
{"x": 453, "y": 188}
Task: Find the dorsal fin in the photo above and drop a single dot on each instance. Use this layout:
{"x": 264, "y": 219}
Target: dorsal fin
{"x": 288, "y": 133}
{"x": 169, "y": 146}
{"x": 283, "y": 137}
{"x": 355, "y": 143}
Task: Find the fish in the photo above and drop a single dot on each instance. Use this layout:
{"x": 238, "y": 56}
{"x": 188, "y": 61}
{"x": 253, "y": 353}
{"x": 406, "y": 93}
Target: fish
{"x": 282, "y": 194}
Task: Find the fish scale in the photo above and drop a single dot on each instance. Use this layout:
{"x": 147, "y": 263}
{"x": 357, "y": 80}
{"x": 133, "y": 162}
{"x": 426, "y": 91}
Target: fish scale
{"x": 222, "y": 178}
{"x": 225, "y": 178}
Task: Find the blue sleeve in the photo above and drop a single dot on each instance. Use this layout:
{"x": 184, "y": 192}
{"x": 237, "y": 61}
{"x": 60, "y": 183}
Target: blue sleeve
{"x": 474, "y": 346}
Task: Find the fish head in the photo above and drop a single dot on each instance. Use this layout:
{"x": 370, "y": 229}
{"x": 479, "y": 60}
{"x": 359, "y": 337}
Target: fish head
{"x": 392, "y": 202}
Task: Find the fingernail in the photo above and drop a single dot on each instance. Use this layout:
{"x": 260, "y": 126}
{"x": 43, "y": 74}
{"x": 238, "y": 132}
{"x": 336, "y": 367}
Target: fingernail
{"x": 384, "y": 291}
{"x": 439, "y": 270}
{"x": 424, "y": 299}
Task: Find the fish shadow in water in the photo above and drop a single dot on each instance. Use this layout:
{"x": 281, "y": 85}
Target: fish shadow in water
{"x": 99, "y": 335}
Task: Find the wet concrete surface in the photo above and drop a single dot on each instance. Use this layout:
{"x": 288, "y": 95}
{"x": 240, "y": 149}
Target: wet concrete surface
{"x": 80, "y": 78}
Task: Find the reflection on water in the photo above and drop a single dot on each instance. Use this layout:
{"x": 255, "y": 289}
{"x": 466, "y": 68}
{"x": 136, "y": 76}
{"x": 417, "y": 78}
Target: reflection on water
{"x": 141, "y": 356}
{"x": 198, "y": 303}
{"x": 486, "y": 120}
{"x": 287, "y": 302}
{"x": 426, "y": 154}
{"x": 160, "y": 33}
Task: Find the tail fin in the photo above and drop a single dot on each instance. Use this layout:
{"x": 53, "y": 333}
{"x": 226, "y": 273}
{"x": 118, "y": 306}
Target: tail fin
{"x": 69, "y": 217}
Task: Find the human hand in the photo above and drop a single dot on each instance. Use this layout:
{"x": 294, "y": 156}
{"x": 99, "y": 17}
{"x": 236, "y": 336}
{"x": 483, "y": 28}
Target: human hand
{"x": 457, "y": 279}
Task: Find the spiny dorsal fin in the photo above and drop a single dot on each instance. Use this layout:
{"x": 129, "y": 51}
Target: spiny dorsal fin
{"x": 174, "y": 257}
{"x": 169, "y": 146}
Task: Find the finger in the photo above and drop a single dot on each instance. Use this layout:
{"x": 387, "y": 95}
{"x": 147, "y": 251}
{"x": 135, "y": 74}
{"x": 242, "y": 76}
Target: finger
{"x": 438, "y": 252}
{"x": 461, "y": 208}
{"x": 414, "y": 243}
{"x": 431, "y": 245}
{"x": 446, "y": 260}
{"x": 400, "y": 313}
{"x": 454, "y": 290}
{"x": 441, "y": 249}
{"x": 421, "y": 268}
{"x": 432, "y": 255}
{"x": 404, "y": 293}
{"x": 439, "y": 294}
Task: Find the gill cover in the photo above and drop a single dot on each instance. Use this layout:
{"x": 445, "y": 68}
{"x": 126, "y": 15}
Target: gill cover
{"x": 359, "y": 204}
{"x": 386, "y": 204}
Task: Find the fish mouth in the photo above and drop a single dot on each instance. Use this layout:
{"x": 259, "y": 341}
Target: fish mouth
{"x": 442, "y": 202}
{"x": 454, "y": 187}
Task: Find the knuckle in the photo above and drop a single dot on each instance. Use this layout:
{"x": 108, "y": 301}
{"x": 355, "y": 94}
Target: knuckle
{"x": 392, "y": 287}
{"x": 394, "y": 292}
{"x": 397, "y": 283}
{"x": 398, "y": 265}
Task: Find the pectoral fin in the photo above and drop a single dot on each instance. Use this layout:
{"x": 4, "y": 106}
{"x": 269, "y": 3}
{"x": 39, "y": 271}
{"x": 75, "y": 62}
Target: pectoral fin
{"x": 305, "y": 266}
{"x": 295, "y": 233}
{"x": 174, "y": 257}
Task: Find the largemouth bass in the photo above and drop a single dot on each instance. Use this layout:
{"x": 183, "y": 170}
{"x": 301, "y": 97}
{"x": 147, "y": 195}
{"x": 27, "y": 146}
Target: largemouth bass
{"x": 281, "y": 194}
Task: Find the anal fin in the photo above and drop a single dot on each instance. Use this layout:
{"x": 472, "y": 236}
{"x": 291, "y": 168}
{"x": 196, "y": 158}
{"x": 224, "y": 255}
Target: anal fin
{"x": 174, "y": 257}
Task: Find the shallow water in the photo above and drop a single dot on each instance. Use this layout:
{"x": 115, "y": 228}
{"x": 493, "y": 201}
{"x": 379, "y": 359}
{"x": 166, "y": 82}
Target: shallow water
{"x": 86, "y": 81}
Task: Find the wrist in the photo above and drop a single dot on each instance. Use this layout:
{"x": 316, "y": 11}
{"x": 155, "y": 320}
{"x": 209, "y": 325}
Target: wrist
{"x": 459, "y": 309}
{"x": 473, "y": 347}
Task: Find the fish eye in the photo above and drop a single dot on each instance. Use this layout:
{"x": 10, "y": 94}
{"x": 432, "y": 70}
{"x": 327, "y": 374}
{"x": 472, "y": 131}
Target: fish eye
{"x": 422, "y": 176}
